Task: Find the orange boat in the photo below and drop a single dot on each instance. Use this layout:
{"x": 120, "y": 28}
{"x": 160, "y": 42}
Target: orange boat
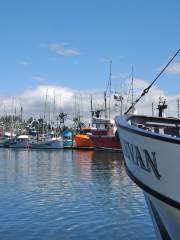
{"x": 82, "y": 139}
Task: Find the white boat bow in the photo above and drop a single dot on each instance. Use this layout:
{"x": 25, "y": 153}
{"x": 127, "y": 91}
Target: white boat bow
{"x": 151, "y": 149}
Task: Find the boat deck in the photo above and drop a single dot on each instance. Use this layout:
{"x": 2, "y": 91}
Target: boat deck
{"x": 165, "y": 126}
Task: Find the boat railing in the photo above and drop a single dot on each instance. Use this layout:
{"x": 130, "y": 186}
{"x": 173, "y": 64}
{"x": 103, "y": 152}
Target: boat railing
{"x": 134, "y": 119}
{"x": 158, "y": 125}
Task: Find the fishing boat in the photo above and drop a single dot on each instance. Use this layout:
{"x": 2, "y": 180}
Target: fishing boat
{"x": 6, "y": 139}
{"x": 21, "y": 141}
{"x": 82, "y": 139}
{"x": 151, "y": 149}
{"x": 67, "y": 139}
{"x": 104, "y": 136}
{"x": 4, "y": 142}
{"x": 51, "y": 143}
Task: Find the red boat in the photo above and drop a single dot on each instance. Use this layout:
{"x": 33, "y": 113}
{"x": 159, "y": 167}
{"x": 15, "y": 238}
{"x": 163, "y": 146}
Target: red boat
{"x": 105, "y": 136}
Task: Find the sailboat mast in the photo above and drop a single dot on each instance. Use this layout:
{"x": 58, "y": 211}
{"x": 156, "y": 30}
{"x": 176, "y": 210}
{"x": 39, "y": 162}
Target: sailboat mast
{"x": 45, "y": 105}
{"x": 54, "y": 110}
{"x": 110, "y": 89}
{"x": 49, "y": 127}
{"x": 12, "y": 119}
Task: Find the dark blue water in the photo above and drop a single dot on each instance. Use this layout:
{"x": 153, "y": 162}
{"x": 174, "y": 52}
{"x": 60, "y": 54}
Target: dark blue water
{"x": 69, "y": 195}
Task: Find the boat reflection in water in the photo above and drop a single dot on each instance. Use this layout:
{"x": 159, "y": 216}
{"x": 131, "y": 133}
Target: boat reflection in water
{"x": 67, "y": 194}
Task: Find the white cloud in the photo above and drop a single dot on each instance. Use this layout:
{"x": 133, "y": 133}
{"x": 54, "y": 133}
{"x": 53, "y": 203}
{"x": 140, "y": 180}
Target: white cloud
{"x": 144, "y": 106}
{"x": 61, "y": 49}
{"x": 71, "y": 101}
{"x": 67, "y": 100}
{"x": 174, "y": 68}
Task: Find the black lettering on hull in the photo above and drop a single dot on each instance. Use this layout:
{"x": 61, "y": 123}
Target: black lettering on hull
{"x": 143, "y": 159}
{"x": 152, "y": 163}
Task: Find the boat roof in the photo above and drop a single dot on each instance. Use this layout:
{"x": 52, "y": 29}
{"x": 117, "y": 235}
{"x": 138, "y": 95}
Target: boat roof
{"x": 67, "y": 133}
{"x": 23, "y": 137}
{"x": 101, "y": 121}
{"x": 8, "y": 134}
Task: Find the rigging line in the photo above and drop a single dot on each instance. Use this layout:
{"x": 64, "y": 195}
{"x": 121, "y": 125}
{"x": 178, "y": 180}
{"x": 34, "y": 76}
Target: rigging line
{"x": 146, "y": 90}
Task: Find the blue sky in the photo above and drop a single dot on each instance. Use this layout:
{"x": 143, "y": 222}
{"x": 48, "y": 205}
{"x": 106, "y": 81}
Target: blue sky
{"x": 70, "y": 43}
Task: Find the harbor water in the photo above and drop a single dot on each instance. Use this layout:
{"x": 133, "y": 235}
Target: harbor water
{"x": 65, "y": 194}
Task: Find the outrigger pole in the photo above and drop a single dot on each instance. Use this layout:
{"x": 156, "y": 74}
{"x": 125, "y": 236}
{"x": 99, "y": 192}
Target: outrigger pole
{"x": 146, "y": 90}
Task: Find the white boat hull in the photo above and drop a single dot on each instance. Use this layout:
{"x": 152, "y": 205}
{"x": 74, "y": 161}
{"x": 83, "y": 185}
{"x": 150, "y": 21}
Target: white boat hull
{"x": 165, "y": 218}
{"x": 153, "y": 162}
{"x": 49, "y": 144}
{"x": 21, "y": 141}
{"x": 19, "y": 145}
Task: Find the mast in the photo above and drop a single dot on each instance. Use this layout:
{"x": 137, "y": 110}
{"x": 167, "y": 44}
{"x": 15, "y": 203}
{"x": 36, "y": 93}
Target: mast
{"x": 58, "y": 124}
{"x": 75, "y": 105}
{"x": 91, "y": 107}
{"x": 21, "y": 110}
{"x": 12, "y": 119}
{"x": 45, "y": 105}
{"x": 121, "y": 98}
{"x": 49, "y": 125}
{"x": 21, "y": 113}
{"x": 161, "y": 106}
{"x": 15, "y": 120}
{"x": 152, "y": 109}
{"x": 105, "y": 104}
{"x": 178, "y": 107}
{"x": 132, "y": 86}
{"x": 110, "y": 89}
{"x": 54, "y": 109}
{"x": 81, "y": 107}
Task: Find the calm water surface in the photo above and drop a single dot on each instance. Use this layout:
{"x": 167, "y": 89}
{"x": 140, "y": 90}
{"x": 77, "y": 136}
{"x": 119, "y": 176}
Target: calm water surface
{"x": 69, "y": 195}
